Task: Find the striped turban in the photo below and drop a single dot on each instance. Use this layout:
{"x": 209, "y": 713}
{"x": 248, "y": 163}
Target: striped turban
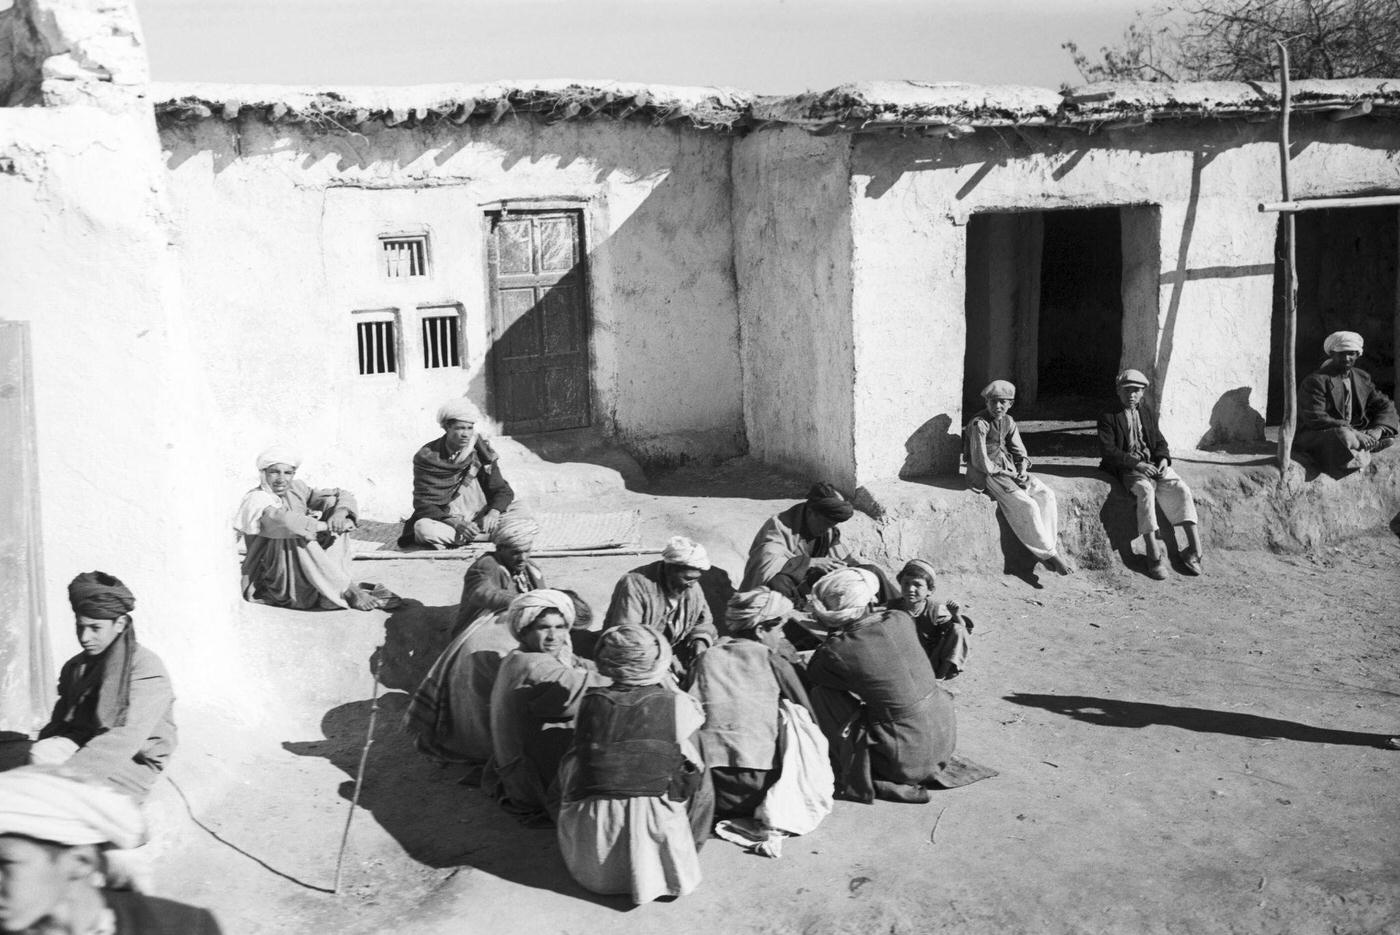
{"x": 633, "y": 655}
{"x": 516, "y": 531}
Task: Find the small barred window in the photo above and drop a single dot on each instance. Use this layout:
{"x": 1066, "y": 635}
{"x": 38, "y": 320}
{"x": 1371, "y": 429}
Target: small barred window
{"x": 405, "y": 257}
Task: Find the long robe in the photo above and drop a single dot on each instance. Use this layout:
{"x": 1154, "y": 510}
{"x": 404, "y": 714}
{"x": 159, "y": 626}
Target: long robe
{"x": 533, "y": 705}
{"x": 288, "y": 564}
{"x": 739, "y": 683}
{"x": 995, "y": 456}
{"x": 450, "y": 712}
{"x": 684, "y": 621}
{"x": 642, "y": 845}
{"x": 891, "y": 725}
{"x": 780, "y": 555}
{"x": 129, "y": 755}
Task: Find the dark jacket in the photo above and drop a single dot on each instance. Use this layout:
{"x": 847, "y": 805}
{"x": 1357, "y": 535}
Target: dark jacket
{"x": 139, "y": 914}
{"x": 1115, "y": 440}
{"x": 488, "y": 585}
{"x": 437, "y": 478}
{"x": 1320, "y": 401}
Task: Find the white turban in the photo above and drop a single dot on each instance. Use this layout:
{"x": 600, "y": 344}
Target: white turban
{"x": 456, "y": 410}
{"x": 1343, "y": 341}
{"x": 633, "y": 655}
{"x": 842, "y": 596}
{"x": 682, "y": 551}
{"x": 528, "y": 606}
{"x": 1001, "y": 389}
{"x": 748, "y": 609}
{"x": 48, "y": 805}
{"x": 279, "y": 454}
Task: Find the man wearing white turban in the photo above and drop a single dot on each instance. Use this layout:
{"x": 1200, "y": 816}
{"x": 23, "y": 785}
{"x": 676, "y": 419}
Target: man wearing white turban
{"x": 997, "y": 464}
{"x": 533, "y": 705}
{"x": 458, "y": 490}
{"x": 889, "y": 721}
{"x": 55, "y": 833}
{"x": 665, "y": 596}
{"x": 297, "y": 541}
{"x": 1342, "y": 416}
{"x": 498, "y": 577}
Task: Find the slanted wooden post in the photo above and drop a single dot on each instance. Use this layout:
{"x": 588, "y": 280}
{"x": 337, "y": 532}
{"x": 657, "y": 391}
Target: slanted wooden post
{"x": 1290, "y": 282}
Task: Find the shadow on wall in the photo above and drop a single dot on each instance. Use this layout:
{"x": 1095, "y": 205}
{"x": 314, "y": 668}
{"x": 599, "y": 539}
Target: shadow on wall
{"x": 1114, "y": 712}
{"x": 438, "y": 821}
{"x": 1233, "y": 419}
{"x": 929, "y": 437}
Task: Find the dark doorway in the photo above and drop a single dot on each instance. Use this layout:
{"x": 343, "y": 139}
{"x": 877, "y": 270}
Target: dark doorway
{"x": 1347, "y": 281}
{"x": 539, "y": 357}
{"x": 1045, "y": 309}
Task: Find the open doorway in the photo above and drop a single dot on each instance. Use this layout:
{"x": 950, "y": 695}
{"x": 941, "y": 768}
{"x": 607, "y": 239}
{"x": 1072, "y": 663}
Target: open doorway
{"x": 1347, "y": 281}
{"x": 1045, "y": 301}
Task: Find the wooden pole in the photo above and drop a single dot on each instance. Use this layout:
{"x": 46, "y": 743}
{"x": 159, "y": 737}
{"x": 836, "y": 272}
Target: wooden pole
{"x": 359, "y": 777}
{"x": 1323, "y": 204}
{"x": 1290, "y": 282}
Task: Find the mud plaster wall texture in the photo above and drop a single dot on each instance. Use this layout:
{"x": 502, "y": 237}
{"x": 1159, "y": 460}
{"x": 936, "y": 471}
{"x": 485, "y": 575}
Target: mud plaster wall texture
{"x": 793, "y": 258}
{"x": 279, "y": 228}
{"x": 120, "y": 400}
{"x": 1205, "y": 344}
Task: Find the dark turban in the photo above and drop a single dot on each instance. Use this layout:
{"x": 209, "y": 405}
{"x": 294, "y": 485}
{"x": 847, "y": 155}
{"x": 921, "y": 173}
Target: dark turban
{"x": 827, "y": 501}
{"x": 100, "y": 596}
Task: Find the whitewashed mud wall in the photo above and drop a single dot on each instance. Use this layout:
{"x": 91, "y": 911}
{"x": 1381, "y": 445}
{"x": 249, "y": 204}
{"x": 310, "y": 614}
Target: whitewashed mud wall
{"x": 278, "y": 231}
{"x": 1201, "y": 332}
{"x": 792, "y": 218}
{"x": 120, "y": 401}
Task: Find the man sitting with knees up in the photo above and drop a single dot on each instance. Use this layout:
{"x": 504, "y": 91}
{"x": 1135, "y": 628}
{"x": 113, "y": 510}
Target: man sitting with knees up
{"x": 1135, "y": 452}
{"x": 1342, "y": 417}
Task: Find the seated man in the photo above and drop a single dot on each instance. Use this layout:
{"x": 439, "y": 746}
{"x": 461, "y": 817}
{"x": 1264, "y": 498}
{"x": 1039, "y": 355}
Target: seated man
{"x": 997, "y": 465}
{"x": 458, "y": 490}
{"x": 1342, "y": 417}
{"x": 1134, "y": 451}
{"x": 114, "y": 720}
{"x": 56, "y": 833}
{"x": 496, "y": 579}
{"x": 665, "y": 596}
{"x": 891, "y": 725}
{"x": 800, "y": 544}
{"x": 297, "y": 541}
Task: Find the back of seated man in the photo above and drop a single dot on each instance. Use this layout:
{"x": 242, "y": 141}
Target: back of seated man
{"x": 1342, "y": 417}
{"x": 114, "y": 719}
{"x": 1134, "y": 451}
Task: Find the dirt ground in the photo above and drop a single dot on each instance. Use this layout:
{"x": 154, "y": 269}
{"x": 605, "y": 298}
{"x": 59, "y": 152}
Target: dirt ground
{"x": 1192, "y": 755}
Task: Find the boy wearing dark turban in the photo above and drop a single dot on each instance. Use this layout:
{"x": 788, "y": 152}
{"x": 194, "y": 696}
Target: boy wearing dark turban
{"x": 114, "y": 718}
{"x": 800, "y": 544}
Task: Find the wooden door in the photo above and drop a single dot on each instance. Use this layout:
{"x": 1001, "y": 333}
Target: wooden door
{"x": 539, "y": 302}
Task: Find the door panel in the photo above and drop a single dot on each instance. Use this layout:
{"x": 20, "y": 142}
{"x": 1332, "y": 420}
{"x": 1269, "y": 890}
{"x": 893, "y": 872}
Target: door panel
{"x": 540, "y": 354}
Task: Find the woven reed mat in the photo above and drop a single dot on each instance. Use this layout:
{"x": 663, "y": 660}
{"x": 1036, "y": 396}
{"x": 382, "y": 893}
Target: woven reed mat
{"x": 559, "y": 532}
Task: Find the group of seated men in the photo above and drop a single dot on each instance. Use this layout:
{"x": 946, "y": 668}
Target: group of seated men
{"x": 638, "y": 737}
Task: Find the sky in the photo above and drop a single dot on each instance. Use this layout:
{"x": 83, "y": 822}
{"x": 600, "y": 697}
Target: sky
{"x": 767, "y": 46}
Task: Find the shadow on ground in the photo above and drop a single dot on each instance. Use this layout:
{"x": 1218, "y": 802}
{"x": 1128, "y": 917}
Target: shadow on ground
{"x": 1114, "y": 712}
{"x": 438, "y": 822}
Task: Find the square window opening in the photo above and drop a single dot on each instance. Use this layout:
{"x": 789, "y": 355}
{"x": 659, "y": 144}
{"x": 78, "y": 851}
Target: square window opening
{"x": 377, "y": 345}
{"x": 442, "y": 339}
{"x": 405, "y": 256}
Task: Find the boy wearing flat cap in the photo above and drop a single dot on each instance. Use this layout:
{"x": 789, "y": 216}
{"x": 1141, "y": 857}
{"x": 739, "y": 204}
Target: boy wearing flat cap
{"x": 1134, "y": 451}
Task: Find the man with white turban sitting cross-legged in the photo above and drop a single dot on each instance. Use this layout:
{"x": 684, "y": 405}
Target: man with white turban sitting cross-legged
{"x": 57, "y": 833}
{"x": 997, "y": 464}
{"x": 800, "y": 544}
{"x": 533, "y": 704}
{"x": 114, "y": 720}
{"x": 1342, "y": 417}
{"x": 458, "y": 490}
{"x": 665, "y": 596}
{"x": 889, "y": 721}
{"x": 298, "y": 541}
{"x": 1134, "y": 451}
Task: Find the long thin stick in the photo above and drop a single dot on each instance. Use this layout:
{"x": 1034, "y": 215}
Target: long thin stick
{"x": 359, "y": 775}
{"x": 1290, "y": 287}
